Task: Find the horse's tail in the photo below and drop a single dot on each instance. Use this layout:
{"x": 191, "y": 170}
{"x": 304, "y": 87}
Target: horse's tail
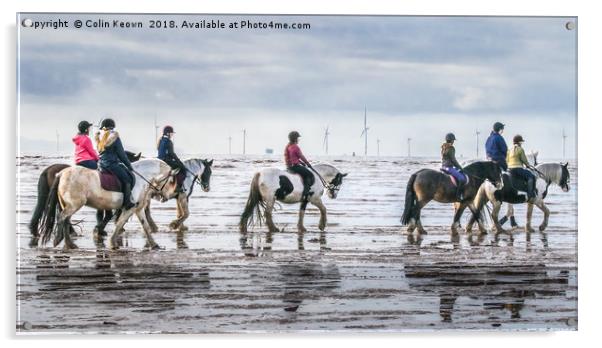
{"x": 43, "y": 189}
{"x": 408, "y": 209}
{"x": 254, "y": 205}
{"x": 48, "y": 216}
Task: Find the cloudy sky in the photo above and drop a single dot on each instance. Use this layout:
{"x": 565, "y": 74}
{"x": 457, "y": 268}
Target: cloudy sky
{"x": 418, "y": 77}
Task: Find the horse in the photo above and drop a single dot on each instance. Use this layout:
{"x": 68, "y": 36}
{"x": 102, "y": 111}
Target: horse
{"x": 546, "y": 174}
{"x": 77, "y": 186}
{"x": 428, "y": 184}
{"x": 273, "y": 184}
{"x": 197, "y": 171}
{"x": 45, "y": 181}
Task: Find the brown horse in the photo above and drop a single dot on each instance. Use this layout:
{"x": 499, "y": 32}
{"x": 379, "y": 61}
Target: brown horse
{"x": 426, "y": 185}
{"x": 45, "y": 182}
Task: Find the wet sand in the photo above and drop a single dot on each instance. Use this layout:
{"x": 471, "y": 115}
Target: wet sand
{"x": 364, "y": 274}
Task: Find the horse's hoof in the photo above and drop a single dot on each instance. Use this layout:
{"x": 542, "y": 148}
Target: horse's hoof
{"x": 542, "y": 228}
{"x": 274, "y": 230}
{"x": 422, "y": 232}
{"x": 529, "y": 229}
{"x": 69, "y": 246}
{"x": 33, "y": 242}
{"x": 155, "y": 247}
{"x": 183, "y": 228}
{"x": 154, "y": 229}
{"x": 302, "y": 229}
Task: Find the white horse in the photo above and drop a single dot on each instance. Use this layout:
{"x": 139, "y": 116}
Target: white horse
{"x": 198, "y": 171}
{"x": 272, "y": 184}
{"x": 546, "y": 174}
{"x": 77, "y": 186}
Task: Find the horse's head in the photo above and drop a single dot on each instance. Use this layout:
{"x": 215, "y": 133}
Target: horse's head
{"x": 335, "y": 184}
{"x": 205, "y": 175}
{"x": 565, "y": 177}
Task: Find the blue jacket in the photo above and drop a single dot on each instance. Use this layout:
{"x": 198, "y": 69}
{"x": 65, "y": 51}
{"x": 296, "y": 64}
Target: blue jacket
{"x": 167, "y": 154}
{"x": 112, "y": 153}
{"x": 496, "y": 147}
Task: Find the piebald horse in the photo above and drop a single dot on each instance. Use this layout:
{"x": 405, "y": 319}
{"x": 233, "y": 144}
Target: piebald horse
{"x": 198, "y": 171}
{"x": 76, "y": 187}
{"x": 273, "y": 184}
{"x": 426, "y": 185}
{"x": 546, "y": 173}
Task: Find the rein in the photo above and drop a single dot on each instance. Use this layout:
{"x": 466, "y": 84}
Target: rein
{"x": 164, "y": 181}
{"x": 326, "y": 185}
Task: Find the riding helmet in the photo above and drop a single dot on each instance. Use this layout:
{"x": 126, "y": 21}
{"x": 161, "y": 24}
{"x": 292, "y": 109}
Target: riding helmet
{"x": 83, "y": 126}
{"x": 293, "y": 136}
{"x": 107, "y": 123}
{"x": 498, "y": 126}
{"x": 449, "y": 137}
{"x": 167, "y": 130}
{"x": 518, "y": 139}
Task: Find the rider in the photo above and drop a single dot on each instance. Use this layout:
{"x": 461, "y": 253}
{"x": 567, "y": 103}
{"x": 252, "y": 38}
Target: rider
{"x": 85, "y": 155}
{"x": 296, "y": 162}
{"x": 166, "y": 154}
{"x": 496, "y": 147}
{"x": 450, "y": 165}
{"x": 114, "y": 159}
{"x": 516, "y": 160}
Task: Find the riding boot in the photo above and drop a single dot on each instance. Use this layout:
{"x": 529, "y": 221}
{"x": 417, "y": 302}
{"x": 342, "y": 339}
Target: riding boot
{"x": 460, "y": 191}
{"x": 530, "y": 188}
{"x": 127, "y": 197}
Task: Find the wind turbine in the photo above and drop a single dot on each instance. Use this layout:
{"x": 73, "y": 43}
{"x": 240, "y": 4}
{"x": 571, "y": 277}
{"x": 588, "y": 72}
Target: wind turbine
{"x": 229, "y": 145}
{"x": 325, "y": 143}
{"x": 244, "y": 141}
{"x": 477, "y": 134}
{"x": 365, "y": 133}
{"x": 409, "y": 147}
{"x": 377, "y": 147}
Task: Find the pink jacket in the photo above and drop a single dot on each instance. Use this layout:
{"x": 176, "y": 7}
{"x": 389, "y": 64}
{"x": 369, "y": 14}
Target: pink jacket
{"x": 84, "y": 151}
{"x": 293, "y": 155}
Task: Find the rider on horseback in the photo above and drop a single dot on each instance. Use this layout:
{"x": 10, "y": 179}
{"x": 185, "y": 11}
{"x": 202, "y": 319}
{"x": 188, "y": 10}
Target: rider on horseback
{"x": 167, "y": 154}
{"x": 516, "y": 160}
{"x": 85, "y": 155}
{"x": 450, "y": 165}
{"x": 496, "y": 147}
{"x": 296, "y": 163}
{"x": 114, "y": 159}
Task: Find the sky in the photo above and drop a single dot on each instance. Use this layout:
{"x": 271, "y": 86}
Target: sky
{"x": 415, "y": 77}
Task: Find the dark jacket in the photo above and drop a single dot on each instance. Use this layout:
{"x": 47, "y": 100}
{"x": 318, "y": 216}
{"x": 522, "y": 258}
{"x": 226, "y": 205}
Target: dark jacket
{"x": 496, "y": 147}
{"x": 111, "y": 150}
{"x": 167, "y": 154}
{"x": 448, "y": 156}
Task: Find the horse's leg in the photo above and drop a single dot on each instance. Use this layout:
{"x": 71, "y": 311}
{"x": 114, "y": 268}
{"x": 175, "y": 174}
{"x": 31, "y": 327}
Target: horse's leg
{"x": 150, "y": 242}
{"x": 64, "y": 225}
{"x": 175, "y": 224}
{"x": 528, "y": 227}
{"x": 546, "y": 214}
{"x": 419, "y": 206}
{"x": 123, "y": 218}
{"x": 459, "y": 211}
{"x": 149, "y": 219}
{"x": 495, "y": 212}
{"x": 300, "y": 226}
{"x": 183, "y": 200}
{"x": 322, "y": 225}
{"x": 269, "y": 207}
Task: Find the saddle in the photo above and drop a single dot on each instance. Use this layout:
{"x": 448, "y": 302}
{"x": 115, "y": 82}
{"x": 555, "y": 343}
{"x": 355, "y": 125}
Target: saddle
{"x": 109, "y": 181}
{"x": 312, "y": 179}
{"x": 453, "y": 179}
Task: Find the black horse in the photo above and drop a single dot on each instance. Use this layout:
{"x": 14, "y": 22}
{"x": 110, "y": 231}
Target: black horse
{"x": 426, "y": 185}
{"x": 45, "y": 181}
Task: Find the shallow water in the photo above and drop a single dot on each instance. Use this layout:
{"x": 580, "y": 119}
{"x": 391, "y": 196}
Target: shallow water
{"x": 364, "y": 273}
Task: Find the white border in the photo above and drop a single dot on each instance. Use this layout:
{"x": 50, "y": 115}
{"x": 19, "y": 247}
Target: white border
{"x": 589, "y": 159}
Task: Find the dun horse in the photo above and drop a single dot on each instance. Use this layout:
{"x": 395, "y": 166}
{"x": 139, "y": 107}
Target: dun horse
{"x": 427, "y": 185}
{"x": 45, "y": 183}
{"x": 76, "y": 187}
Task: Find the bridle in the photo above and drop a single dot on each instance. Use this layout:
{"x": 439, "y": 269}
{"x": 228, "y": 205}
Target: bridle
{"x": 332, "y": 188}
{"x": 162, "y": 181}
